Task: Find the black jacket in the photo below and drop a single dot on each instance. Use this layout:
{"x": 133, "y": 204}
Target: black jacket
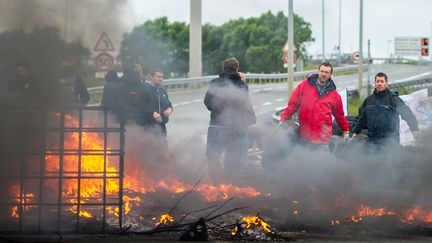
{"x": 228, "y": 100}
{"x": 73, "y": 93}
{"x": 156, "y": 100}
{"x": 130, "y": 96}
{"x": 380, "y": 112}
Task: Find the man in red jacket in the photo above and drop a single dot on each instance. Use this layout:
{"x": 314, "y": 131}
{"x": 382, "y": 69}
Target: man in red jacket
{"x": 317, "y": 100}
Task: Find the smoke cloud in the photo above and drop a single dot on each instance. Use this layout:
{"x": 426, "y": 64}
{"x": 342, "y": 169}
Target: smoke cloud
{"x": 78, "y": 20}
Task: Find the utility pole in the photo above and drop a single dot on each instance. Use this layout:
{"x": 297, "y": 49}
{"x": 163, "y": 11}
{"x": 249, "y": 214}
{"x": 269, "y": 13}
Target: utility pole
{"x": 195, "y": 39}
{"x": 290, "y": 48}
{"x": 368, "y": 70}
{"x": 66, "y": 21}
{"x": 340, "y": 30}
{"x": 323, "y": 35}
{"x": 360, "y": 68}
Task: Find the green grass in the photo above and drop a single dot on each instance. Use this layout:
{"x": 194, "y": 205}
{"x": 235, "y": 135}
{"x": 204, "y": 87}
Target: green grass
{"x": 353, "y": 106}
{"x": 95, "y": 98}
{"x": 93, "y": 82}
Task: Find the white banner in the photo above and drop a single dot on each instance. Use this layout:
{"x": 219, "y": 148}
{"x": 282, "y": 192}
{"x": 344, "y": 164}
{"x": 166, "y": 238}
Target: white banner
{"x": 344, "y": 96}
{"x": 421, "y": 106}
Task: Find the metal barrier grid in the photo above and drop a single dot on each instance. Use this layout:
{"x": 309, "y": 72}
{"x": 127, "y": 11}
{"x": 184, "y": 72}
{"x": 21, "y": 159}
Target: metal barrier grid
{"x": 58, "y": 167}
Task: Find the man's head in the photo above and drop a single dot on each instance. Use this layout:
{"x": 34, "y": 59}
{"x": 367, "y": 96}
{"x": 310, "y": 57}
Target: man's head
{"x": 156, "y": 76}
{"x": 231, "y": 64}
{"x": 381, "y": 82}
{"x": 23, "y": 68}
{"x": 69, "y": 75}
{"x": 325, "y": 71}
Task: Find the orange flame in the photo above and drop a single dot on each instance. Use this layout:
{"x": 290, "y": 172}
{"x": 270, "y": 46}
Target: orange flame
{"x": 212, "y": 193}
{"x": 417, "y": 213}
{"x": 91, "y": 189}
{"x": 27, "y": 197}
{"x": 368, "y": 211}
{"x": 257, "y": 221}
{"x": 164, "y": 219}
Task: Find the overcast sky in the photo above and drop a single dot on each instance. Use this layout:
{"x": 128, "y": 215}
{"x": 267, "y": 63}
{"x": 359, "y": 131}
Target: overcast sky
{"x": 383, "y": 19}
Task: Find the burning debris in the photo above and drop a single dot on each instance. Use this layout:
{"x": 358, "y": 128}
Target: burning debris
{"x": 164, "y": 219}
{"x": 82, "y": 186}
{"x": 253, "y": 228}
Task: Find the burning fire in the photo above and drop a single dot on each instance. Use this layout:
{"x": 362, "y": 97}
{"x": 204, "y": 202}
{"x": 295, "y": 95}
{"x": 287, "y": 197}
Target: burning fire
{"x": 90, "y": 189}
{"x": 26, "y": 197}
{"x": 413, "y": 214}
{"x": 164, "y": 219}
{"x": 247, "y": 222}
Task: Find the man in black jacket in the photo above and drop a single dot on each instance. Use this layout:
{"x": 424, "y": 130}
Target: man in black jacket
{"x": 231, "y": 114}
{"x": 129, "y": 95}
{"x": 380, "y": 112}
{"x": 72, "y": 88}
{"x": 157, "y": 106}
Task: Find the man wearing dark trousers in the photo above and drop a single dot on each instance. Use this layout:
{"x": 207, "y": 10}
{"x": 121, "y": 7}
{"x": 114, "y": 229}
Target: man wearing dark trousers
{"x": 231, "y": 114}
{"x": 157, "y": 106}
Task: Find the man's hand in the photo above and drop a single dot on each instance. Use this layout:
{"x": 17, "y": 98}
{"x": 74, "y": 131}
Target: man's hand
{"x": 157, "y": 117}
{"x": 415, "y": 135}
{"x": 345, "y": 136}
{"x": 168, "y": 111}
{"x": 280, "y": 123}
{"x": 242, "y": 76}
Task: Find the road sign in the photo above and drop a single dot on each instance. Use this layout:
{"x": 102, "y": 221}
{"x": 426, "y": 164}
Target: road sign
{"x": 285, "y": 51}
{"x": 104, "y": 43}
{"x": 285, "y": 55}
{"x": 355, "y": 55}
{"x": 104, "y": 62}
{"x": 407, "y": 46}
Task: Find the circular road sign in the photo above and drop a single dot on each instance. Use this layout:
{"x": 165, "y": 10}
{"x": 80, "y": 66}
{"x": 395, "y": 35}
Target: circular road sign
{"x": 355, "y": 55}
{"x": 104, "y": 62}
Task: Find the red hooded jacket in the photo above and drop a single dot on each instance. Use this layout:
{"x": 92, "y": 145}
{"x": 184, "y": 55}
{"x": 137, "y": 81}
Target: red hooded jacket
{"x": 315, "y": 110}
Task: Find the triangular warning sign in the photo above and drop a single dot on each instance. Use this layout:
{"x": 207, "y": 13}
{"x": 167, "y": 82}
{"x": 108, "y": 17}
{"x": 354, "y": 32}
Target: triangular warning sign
{"x": 104, "y": 43}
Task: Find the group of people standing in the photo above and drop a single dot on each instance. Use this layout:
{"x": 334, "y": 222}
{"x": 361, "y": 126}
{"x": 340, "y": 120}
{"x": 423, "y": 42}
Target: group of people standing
{"x": 316, "y": 101}
{"x": 139, "y": 97}
{"x": 46, "y": 87}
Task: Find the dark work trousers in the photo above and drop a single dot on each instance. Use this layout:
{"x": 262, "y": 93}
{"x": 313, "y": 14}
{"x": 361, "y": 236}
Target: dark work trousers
{"x": 234, "y": 142}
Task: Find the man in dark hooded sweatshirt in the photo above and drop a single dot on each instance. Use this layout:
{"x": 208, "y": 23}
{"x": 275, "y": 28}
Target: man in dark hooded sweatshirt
{"x": 131, "y": 95}
{"x": 380, "y": 113}
{"x": 231, "y": 114}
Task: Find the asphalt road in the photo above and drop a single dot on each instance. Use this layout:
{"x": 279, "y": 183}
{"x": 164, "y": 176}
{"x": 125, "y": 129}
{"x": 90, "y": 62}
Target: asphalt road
{"x": 191, "y": 117}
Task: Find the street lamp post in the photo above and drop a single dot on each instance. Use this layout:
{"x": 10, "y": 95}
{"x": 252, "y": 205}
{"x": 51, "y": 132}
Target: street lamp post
{"x": 290, "y": 47}
{"x": 360, "y": 68}
{"x": 340, "y": 30}
{"x": 195, "y": 39}
{"x": 323, "y": 35}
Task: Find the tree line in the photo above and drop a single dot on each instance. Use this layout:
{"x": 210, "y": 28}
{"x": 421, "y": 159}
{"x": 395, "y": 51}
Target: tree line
{"x": 256, "y": 42}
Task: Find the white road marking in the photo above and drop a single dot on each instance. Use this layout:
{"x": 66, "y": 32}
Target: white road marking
{"x": 279, "y": 100}
{"x": 267, "y": 103}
